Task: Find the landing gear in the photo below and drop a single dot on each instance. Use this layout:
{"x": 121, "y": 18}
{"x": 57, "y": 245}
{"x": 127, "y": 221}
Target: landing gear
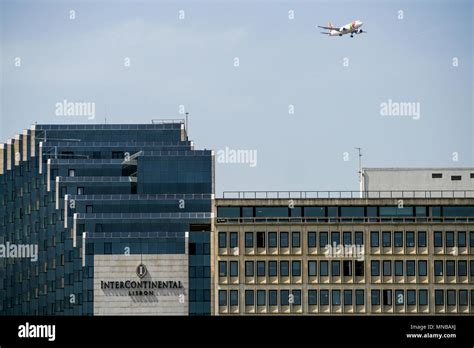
{"x": 352, "y": 35}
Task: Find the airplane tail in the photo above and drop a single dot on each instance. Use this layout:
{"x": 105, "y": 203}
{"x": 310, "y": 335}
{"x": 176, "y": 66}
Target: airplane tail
{"x": 330, "y": 25}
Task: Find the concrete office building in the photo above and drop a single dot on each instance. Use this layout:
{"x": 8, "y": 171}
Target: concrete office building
{"x": 121, "y": 216}
{"x": 452, "y": 182}
{"x": 385, "y": 258}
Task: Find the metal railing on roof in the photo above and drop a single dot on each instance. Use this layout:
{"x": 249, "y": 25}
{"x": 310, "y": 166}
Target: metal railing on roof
{"x": 167, "y": 120}
{"x": 348, "y": 194}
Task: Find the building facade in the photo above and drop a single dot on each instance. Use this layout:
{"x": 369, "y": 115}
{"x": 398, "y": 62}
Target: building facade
{"x": 121, "y": 217}
{"x": 344, "y": 256}
{"x": 122, "y": 220}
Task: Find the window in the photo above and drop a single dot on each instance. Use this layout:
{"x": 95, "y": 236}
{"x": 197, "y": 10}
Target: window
{"x": 410, "y": 266}
{"x": 247, "y": 212}
{"x": 222, "y": 269}
{"x": 296, "y": 297}
{"x": 335, "y": 238}
{"x": 450, "y": 268}
{"x": 222, "y": 240}
{"x": 296, "y": 268}
{"x": 249, "y": 298}
{"x": 456, "y": 177}
{"x": 411, "y": 297}
{"x": 234, "y": 297}
{"x": 423, "y": 297}
{"x": 284, "y": 240}
{"x": 347, "y": 238}
{"x": 359, "y": 238}
{"x": 472, "y": 175}
{"x": 323, "y": 268}
{"x": 71, "y": 172}
{"x": 387, "y": 268}
{"x": 422, "y": 239}
{"x": 272, "y": 297}
{"x": 439, "y": 297}
{"x": 284, "y": 297}
{"x": 222, "y": 297}
{"x": 462, "y": 239}
{"x": 375, "y": 297}
{"x": 347, "y": 297}
{"x": 422, "y": 268}
{"x": 463, "y": 297}
{"x": 386, "y": 239}
{"x": 387, "y": 297}
{"x": 323, "y": 239}
{"x": 272, "y": 239}
{"x": 335, "y": 268}
{"x": 359, "y": 297}
{"x": 295, "y": 239}
{"x": 449, "y": 239}
{"x": 410, "y": 239}
{"x": 249, "y": 268}
{"x": 399, "y": 297}
{"x": 234, "y": 268}
{"x": 374, "y": 268}
{"x": 359, "y": 268}
{"x": 451, "y": 294}
{"x": 471, "y": 266}
{"x": 312, "y": 266}
{"x": 374, "y": 239}
{"x": 260, "y": 239}
{"x": 89, "y": 209}
{"x": 80, "y": 190}
{"x": 436, "y": 175}
{"x": 312, "y": 297}
{"x": 324, "y": 297}
{"x": 398, "y": 239}
{"x": 261, "y": 296}
{"x": 398, "y": 268}
{"x": 249, "y": 239}
{"x": 260, "y": 268}
{"x": 311, "y": 239}
{"x": 336, "y": 297}
{"x": 234, "y": 241}
{"x": 284, "y": 269}
{"x": 272, "y": 268}
{"x": 438, "y": 239}
{"x": 347, "y": 268}
{"x": 438, "y": 268}
{"x": 471, "y": 241}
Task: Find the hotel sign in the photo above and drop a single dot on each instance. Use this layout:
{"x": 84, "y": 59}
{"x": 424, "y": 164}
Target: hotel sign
{"x": 140, "y": 287}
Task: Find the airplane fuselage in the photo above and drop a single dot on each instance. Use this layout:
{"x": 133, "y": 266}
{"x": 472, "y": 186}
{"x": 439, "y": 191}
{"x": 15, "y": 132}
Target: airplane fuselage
{"x": 351, "y": 28}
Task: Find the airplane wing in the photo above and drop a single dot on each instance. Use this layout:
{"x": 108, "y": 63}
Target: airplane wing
{"x": 325, "y": 33}
{"x": 328, "y": 28}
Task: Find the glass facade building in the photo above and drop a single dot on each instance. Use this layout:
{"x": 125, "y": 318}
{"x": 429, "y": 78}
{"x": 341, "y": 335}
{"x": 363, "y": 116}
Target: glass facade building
{"x": 81, "y": 192}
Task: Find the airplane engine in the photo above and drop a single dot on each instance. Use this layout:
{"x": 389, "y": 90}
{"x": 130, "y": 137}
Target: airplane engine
{"x": 359, "y": 31}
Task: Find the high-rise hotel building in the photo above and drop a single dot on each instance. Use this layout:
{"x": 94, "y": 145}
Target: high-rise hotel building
{"x": 121, "y": 215}
{"x": 125, "y": 223}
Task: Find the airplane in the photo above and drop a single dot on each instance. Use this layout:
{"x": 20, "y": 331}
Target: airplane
{"x": 351, "y": 28}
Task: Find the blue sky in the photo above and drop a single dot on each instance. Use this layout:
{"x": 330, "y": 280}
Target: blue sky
{"x": 283, "y": 62}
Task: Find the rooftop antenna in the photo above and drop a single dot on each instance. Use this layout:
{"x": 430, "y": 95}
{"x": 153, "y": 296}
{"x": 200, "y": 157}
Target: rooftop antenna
{"x": 186, "y": 126}
{"x": 359, "y": 150}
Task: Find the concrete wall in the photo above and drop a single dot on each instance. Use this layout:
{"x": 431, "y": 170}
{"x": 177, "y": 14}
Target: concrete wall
{"x": 163, "y": 267}
{"x": 386, "y": 179}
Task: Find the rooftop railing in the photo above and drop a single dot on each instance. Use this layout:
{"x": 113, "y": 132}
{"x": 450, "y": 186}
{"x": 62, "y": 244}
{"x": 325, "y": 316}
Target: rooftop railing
{"x": 348, "y": 194}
